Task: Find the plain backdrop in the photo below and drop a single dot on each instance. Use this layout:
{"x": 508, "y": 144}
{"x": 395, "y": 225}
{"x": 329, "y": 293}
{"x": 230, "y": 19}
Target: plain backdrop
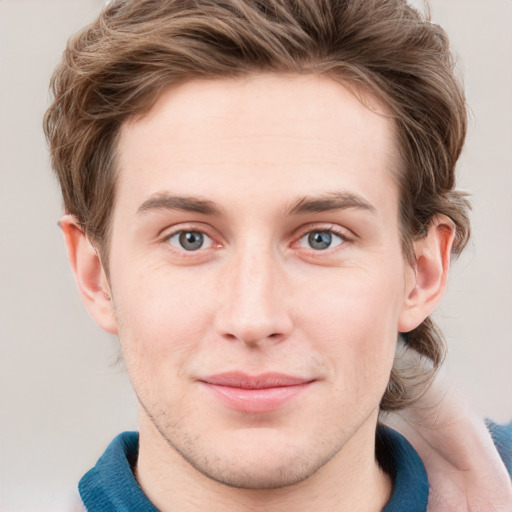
{"x": 63, "y": 394}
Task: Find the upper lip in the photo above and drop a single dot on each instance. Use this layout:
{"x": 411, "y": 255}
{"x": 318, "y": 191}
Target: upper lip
{"x": 261, "y": 381}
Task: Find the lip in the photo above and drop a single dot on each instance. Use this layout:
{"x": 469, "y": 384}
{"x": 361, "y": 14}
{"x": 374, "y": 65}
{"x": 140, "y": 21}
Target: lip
{"x": 255, "y": 393}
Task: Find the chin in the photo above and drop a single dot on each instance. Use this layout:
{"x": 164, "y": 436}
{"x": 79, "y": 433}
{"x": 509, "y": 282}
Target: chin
{"x": 259, "y": 473}
{"x": 256, "y": 460}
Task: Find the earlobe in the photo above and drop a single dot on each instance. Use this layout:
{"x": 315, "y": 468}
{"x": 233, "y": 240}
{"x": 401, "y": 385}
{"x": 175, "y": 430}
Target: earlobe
{"x": 427, "y": 278}
{"x": 90, "y": 276}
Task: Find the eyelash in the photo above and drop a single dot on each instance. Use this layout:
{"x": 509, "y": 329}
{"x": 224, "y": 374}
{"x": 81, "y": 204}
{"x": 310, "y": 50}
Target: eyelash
{"x": 166, "y": 239}
{"x": 306, "y": 232}
{"x": 187, "y": 231}
{"x": 343, "y": 234}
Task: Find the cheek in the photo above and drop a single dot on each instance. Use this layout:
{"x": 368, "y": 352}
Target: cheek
{"x": 355, "y": 318}
{"x": 355, "y": 300}
{"x": 161, "y": 319}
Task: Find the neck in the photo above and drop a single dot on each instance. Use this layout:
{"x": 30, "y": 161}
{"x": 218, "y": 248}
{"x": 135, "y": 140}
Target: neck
{"x": 350, "y": 481}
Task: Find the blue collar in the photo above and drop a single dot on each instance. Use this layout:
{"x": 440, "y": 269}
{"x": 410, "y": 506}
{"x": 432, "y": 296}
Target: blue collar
{"x": 399, "y": 459}
{"x": 111, "y": 486}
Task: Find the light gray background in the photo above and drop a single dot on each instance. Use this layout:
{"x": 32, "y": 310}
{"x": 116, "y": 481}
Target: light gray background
{"x": 62, "y": 395}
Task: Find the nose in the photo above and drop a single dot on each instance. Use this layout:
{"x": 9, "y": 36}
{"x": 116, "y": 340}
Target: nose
{"x": 254, "y": 308}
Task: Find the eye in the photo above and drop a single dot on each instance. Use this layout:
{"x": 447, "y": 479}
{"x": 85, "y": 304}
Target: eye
{"x": 320, "y": 240}
{"x": 190, "y": 240}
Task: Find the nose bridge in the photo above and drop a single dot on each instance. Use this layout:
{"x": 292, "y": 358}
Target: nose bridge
{"x": 254, "y": 271}
{"x": 254, "y": 310}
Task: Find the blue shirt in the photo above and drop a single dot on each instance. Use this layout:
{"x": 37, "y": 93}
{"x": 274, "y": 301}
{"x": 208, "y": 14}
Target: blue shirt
{"x": 111, "y": 486}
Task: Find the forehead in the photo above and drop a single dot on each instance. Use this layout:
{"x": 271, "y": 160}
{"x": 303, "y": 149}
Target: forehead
{"x": 261, "y": 134}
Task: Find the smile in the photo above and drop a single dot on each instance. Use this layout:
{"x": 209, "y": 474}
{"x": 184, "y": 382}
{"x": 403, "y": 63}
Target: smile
{"x": 255, "y": 394}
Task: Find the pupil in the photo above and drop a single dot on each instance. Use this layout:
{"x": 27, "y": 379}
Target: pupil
{"x": 191, "y": 240}
{"x": 320, "y": 240}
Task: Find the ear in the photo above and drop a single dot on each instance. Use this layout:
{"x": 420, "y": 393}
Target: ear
{"x": 90, "y": 276}
{"x": 427, "y": 278}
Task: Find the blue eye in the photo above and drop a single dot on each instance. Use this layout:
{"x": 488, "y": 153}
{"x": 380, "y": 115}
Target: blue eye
{"x": 321, "y": 240}
{"x": 189, "y": 240}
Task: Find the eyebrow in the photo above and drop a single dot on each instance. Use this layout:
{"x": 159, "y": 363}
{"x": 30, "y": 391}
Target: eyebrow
{"x": 331, "y": 201}
{"x": 164, "y": 201}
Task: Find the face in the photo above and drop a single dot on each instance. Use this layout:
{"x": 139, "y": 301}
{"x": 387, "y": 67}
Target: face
{"x": 256, "y": 273}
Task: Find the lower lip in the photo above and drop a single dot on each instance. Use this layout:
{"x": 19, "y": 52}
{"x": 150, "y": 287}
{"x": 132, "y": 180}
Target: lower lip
{"x": 256, "y": 400}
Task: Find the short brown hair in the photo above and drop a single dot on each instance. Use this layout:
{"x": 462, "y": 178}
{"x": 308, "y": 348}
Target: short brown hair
{"x": 115, "y": 69}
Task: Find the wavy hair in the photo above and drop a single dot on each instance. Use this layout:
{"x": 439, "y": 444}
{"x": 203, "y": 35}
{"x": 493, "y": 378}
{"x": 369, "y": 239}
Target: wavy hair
{"x": 116, "y": 68}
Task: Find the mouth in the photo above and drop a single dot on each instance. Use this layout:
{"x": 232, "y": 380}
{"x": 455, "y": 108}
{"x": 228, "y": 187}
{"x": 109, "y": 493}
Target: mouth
{"x": 257, "y": 393}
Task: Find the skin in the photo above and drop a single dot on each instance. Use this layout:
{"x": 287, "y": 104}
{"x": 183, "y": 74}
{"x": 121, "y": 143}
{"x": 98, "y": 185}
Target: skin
{"x": 465, "y": 471}
{"x": 256, "y": 166}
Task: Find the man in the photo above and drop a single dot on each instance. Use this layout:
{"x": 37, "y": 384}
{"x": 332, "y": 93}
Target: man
{"x": 260, "y": 198}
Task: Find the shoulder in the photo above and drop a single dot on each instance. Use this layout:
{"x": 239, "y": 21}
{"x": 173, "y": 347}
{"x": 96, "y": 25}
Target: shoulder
{"x": 67, "y": 502}
{"x": 111, "y": 485}
{"x": 502, "y": 437}
{"x": 399, "y": 459}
